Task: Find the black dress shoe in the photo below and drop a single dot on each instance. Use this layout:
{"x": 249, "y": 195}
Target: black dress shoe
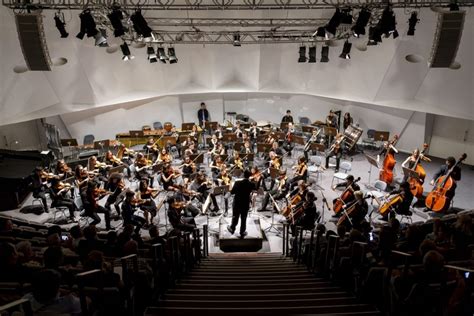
{"x": 242, "y": 235}
{"x": 230, "y": 230}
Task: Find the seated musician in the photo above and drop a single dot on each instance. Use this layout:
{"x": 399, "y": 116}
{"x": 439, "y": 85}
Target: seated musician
{"x": 237, "y": 130}
{"x": 111, "y": 160}
{"x": 185, "y": 195}
{"x": 141, "y": 169}
{"x": 168, "y": 175}
{"x": 191, "y": 150}
{"x": 350, "y": 186}
{"x": 287, "y": 118}
{"x": 356, "y": 210}
{"x": 309, "y": 213}
{"x": 276, "y": 149}
{"x": 59, "y": 195}
{"x": 81, "y": 177}
{"x": 254, "y": 131}
{"x": 245, "y": 137}
{"x": 146, "y": 196}
{"x": 213, "y": 142}
{"x": 218, "y": 133}
{"x": 216, "y": 166}
{"x": 336, "y": 150}
{"x": 455, "y": 175}
{"x": 38, "y": 184}
{"x": 288, "y": 143}
{"x": 177, "y": 218}
{"x": 164, "y": 156}
{"x": 271, "y": 138}
{"x": 411, "y": 161}
{"x": 347, "y": 120}
{"x": 313, "y": 139}
{"x": 100, "y": 168}
{"x": 187, "y": 142}
{"x": 247, "y": 148}
{"x": 218, "y": 150}
{"x": 202, "y": 185}
{"x": 194, "y": 134}
{"x": 116, "y": 185}
{"x": 301, "y": 191}
{"x": 128, "y": 210}
{"x": 189, "y": 167}
{"x": 279, "y": 193}
{"x": 403, "y": 207}
{"x": 151, "y": 149}
{"x": 90, "y": 198}
{"x": 62, "y": 170}
{"x": 301, "y": 172}
{"x": 236, "y": 162}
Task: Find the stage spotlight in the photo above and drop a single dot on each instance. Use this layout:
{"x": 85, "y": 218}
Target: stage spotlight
{"x": 453, "y": 6}
{"x": 60, "y": 24}
{"x": 334, "y": 22}
{"x": 127, "y": 55}
{"x": 116, "y": 17}
{"x": 375, "y": 35}
{"x": 362, "y": 20}
{"x": 162, "y": 55}
{"x": 101, "y": 38}
{"x": 172, "y": 55}
{"x": 387, "y": 22}
{"x": 302, "y": 53}
{"x": 346, "y": 50}
{"x": 236, "y": 42}
{"x": 141, "y": 26}
{"x": 346, "y": 16}
{"x": 412, "y": 23}
{"x": 324, "y": 54}
{"x": 88, "y": 26}
{"x": 152, "y": 58}
{"x": 312, "y": 54}
{"x": 321, "y": 33}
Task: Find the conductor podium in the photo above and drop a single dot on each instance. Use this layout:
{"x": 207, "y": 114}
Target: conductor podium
{"x": 233, "y": 243}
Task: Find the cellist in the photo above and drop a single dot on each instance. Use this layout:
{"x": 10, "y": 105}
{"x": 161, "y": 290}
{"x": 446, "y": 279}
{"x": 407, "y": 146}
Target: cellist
{"x": 347, "y": 195}
{"x": 455, "y": 175}
{"x": 388, "y": 152}
{"x": 404, "y": 198}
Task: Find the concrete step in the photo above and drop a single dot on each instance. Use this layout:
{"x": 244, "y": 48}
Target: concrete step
{"x": 251, "y": 297}
{"x": 263, "y": 274}
{"x": 249, "y": 280}
{"x": 257, "y": 292}
{"x": 266, "y": 285}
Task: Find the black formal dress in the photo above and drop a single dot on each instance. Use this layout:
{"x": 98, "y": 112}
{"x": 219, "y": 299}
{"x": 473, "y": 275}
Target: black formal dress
{"x": 240, "y": 208}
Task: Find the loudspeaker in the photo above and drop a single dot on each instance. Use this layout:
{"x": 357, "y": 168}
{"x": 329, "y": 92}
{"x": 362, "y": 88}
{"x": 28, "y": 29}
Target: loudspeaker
{"x": 447, "y": 38}
{"x": 32, "y": 40}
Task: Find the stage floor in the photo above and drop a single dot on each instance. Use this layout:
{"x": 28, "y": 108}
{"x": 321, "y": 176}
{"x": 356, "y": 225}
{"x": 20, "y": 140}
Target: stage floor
{"x": 272, "y": 238}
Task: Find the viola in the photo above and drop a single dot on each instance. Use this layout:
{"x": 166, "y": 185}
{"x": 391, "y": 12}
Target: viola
{"x": 386, "y": 174}
{"x": 416, "y": 185}
{"x": 437, "y": 200}
{"x": 346, "y": 196}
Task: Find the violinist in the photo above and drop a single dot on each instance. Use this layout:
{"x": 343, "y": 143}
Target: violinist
{"x": 388, "y": 152}
{"x": 309, "y": 213}
{"x": 216, "y": 166}
{"x": 202, "y": 185}
{"x": 301, "y": 172}
{"x": 164, "y": 157}
{"x": 288, "y": 143}
{"x": 218, "y": 133}
{"x": 194, "y": 134}
{"x": 256, "y": 176}
{"x": 444, "y": 170}
{"x": 236, "y": 162}
{"x": 191, "y": 150}
{"x": 99, "y": 168}
{"x": 116, "y": 185}
{"x": 246, "y": 148}
{"x": 111, "y": 160}
{"x": 185, "y": 196}
{"x": 141, "y": 169}
{"x": 59, "y": 191}
{"x": 39, "y": 186}
{"x": 402, "y": 199}
{"x": 82, "y": 177}
{"x": 347, "y": 196}
{"x": 125, "y": 155}
{"x": 91, "y": 205}
{"x": 188, "y": 167}
{"x": 168, "y": 176}
{"x": 151, "y": 149}
{"x": 225, "y": 179}
{"x": 218, "y": 150}
{"x": 128, "y": 210}
{"x": 187, "y": 142}
{"x": 271, "y": 138}
{"x": 356, "y": 210}
{"x": 277, "y": 194}
{"x": 213, "y": 142}
{"x": 62, "y": 170}
{"x": 331, "y": 120}
{"x": 146, "y": 194}
{"x": 177, "y": 218}
{"x": 336, "y": 150}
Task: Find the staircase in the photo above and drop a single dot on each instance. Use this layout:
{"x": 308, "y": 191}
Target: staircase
{"x": 257, "y": 284}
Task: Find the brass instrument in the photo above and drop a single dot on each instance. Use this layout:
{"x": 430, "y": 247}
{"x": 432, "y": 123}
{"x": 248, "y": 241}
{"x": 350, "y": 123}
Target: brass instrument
{"x": 313, "y": 139}
{"x": 337, "y": 144}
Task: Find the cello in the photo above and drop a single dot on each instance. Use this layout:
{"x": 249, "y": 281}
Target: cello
{"x": 416, "y": 185}
{"x": 347, "y": 195}
{"x": 437, "y": 200}
{"x": 386, "y": 174}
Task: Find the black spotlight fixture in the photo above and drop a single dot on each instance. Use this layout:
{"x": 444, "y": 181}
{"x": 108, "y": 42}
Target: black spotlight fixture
{"x": 387, "y": 22}
{"x": 375, "y": 35}
{"x": 453, "y": 6}
{"x": 412, "y": 23}
{"x": 236, "y": 41}
{"x": 127, "y": 55}
{"x": 162, "y": 55}
{"x": 324, "y": 54}
{"x": 312, "y": 54}
{"x": 362, "y": 20}
{"x": 172, "y": 55}
{"x": 346, "y": 16}
{"x": 334, "y": 22}
{"x": 115, "y": 18}
{"x": 141, "y": 26}
{"x": 346, "y": 50}
{"x": 302, "y": 53}
{"x": 88, "y": 26}
{"x": 152, "y": 58}
{"x": 60, "y": 24}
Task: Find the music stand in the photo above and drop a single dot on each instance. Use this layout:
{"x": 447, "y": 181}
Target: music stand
{"x": 298, "y": 140}
{"x": 284, "y": 125}
{"x": 197, "y": 158}
{"x": 274, "y": 173}
{"x": 263, "y": 147}
{"x": 410, "y": 174}
{"x": 261, "y": 138}
{"x": 248, "y": 157}
{"x": 69, "y": 142}
{"x": 272, "y": 224}
{"x": 170, "y": 139}
{"x": 308, "y": 129}
{"x": 187, "y": 126}
{"x": 210, "y": 125}
{"x": 381, "y": 136}
{"x": 318, "y": 147}
{"x": 238, "y": 146}
{"x": 373, "y": 162}
{"x": 280, "y": 136}
{"x": 229, "y": 137}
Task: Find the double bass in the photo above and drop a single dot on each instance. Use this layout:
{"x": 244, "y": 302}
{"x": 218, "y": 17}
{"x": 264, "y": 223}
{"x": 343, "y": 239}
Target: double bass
{"x": 341, "y": 201}
{"x": 437, "y": 200}
{"x": 416, "y": 185}
{"x": 386, "y": 174}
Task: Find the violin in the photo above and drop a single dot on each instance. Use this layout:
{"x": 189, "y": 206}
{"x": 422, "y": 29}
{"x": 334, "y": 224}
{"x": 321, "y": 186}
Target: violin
{"x": 346, "y": 196}
{"x": 178, "y": 205}
{"x": 48, "y": 175}
{"x": 437, "y": 200}
{"x": 152, "y": 192}
{"x": 416, "y": 185}
{"x": 256, "y": 176}
{"x": 98, "y": 192}
{"x": 386, "y": 174}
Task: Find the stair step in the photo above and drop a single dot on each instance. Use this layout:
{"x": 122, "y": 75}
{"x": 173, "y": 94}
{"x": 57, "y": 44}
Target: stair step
{"x": 226, "y": 285}
{"x": 256, "y": 292}
{"x": 263, "y": 274}
{"x": 260, "y": 296}
{"x": 247, "y": 280}
{"x": 248, "y": 265}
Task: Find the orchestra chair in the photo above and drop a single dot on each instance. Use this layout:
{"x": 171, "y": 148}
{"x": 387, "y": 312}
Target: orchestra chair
{"x": 380, "y": 187}
{"x": 89, "y": 139}
{"x": 304, "y": 120}
{"x": 370, "y": 140}
{"x": 157, "y": 125}
{"x": 60, "y": 211}
{"x": 345, "y": 166}
{"x": 316, "y": 167}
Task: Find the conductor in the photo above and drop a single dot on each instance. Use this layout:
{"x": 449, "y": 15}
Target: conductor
{"x": 240, "y": 208}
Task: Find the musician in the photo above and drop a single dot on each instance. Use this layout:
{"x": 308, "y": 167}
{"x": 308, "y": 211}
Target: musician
{"x": 402, "y": 208}
{"x": 194, "y": 134}
{"x": 276, "y": 149}
{"x": 147, "y": 195}
{"x": 237, "y": 130}
{"x": 218, "y": 132}
{"x": 203, "y": 115}
{"x": 236, "y": 162}
{"x": 62, "y": 170}
{"x": 164, "y": 156}
{"x": 116, "y": 185}
{"x": 309, "y": 213}
{"x": 141, "y": 169}
{"x": 151, "y": 149}
{"x": 288, "y": 143}
{"x": 216, "y": 166}
{"x": 81, "y": 177}
{"x": 246, "y": 148}
{"x": 213, "y": 142}
{"x": 191, "y": 150}
{"x": 202, "y": 185}
{"x": 224, "y": 178}
{"x": 409, "y": 163}
{"x": 455, "y": 175}
{"x": 59, "y": 195}
{"x": 388, "y": 151}
{"x": 271, "y": 138}
{"x": 311, "y": 140}
{"x": 187, "y": 142}
{"x": 99, "y": 168}
{"x": 347, "y": 120}
{"x": 128, "y": 210}
{"x": 189, "y": 167}
{"x": 177, "y": 218}
{"x": 218, "y": 150}
{"x": 287, "y": 118}
{"x": 336, "y": 150}
{"x": 185, "y": 196}
{"x": 254, "y": 131}
{"x": 350, "y": 186}
{"x": 39, "y": 186}
{"x": 356, "y": 210}
{"x": 301, "y": 172}
{"x": 241, "y": 190}
{"x": 279, "y": 193}
{"x": 167, "y": 178}
{"x": 91, "y": 206}
{"x": 331, "y": 120}
{"x": 111, "y": 160}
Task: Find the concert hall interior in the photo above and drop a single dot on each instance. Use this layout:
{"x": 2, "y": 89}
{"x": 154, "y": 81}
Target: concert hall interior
{"x": 265, "y": 157}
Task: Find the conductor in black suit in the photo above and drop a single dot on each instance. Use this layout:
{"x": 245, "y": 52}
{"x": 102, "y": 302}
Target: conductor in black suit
{"x": 240, "y": 208}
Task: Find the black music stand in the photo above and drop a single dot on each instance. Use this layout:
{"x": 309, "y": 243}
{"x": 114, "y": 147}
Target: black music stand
{"x": 280, "y": 136}
{"x": 212, "y": 126}
{"x": 197, "y": 158}
{"x": 318, "y": 147}
{"x": 248, "y": 157}
{"x": 373, "y": 162}
{"x": 381, "y": 136}
{"x": 263, "y": 147}
{"x": 410, "y": 174}
{"x": 187, "y": 126}
{"x": 229, "y": 137}
{"x": 283, "y": 125}
{"x": 237, "y": 146}
{"x": 308, "y": 129}
{"x": 273, "y": 225}
{"x": 69, "y": 142}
